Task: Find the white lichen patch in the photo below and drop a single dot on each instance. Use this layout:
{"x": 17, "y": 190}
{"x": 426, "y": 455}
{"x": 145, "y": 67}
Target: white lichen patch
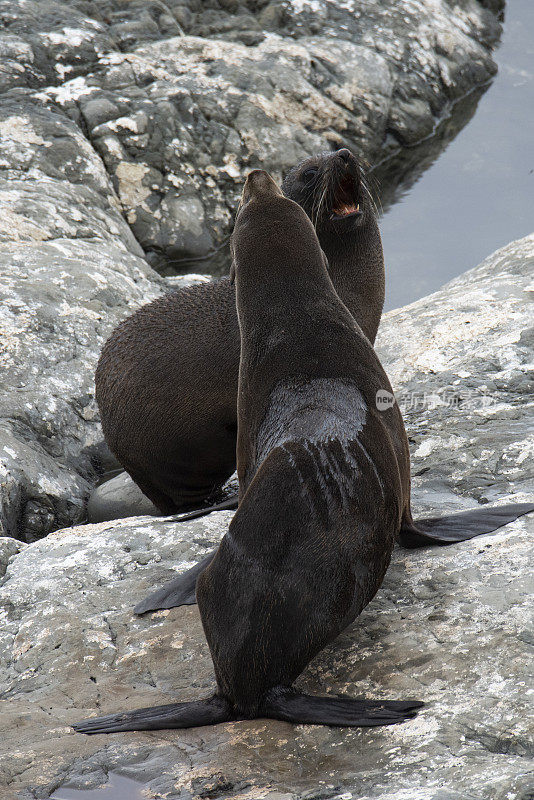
{"x": 69, "y": 91}
{"x": 17, "y": 227}
{"x": 314, "y": 6}
{"x": 73, "y": 37}
{"x": 433, "y": 443}
{"x": 132, "y": 192}
{"x": 99, "y": 637}
{"x": 21, "y": 131}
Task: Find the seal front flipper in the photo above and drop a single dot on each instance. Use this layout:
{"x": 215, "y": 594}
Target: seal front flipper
{"x": 290, "y": 706}
{"x": 180, "y": 591}
{"x": 175, "y": 715}
{"x": 459, "y": 527}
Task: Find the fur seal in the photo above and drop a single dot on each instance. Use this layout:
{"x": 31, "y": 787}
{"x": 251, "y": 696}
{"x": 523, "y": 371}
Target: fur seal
{"x": 166, "y": 381}
{"x": 324, "y": 482}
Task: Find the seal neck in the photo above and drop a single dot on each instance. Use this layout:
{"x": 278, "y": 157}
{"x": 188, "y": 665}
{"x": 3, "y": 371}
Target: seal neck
{"x": 356, "y": 267}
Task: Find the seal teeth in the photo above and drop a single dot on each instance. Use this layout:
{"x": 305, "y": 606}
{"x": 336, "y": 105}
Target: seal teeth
{"x": 345, "y": 209}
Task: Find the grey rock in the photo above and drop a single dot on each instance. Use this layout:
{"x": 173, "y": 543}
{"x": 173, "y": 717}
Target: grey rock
{"x": 52, "y": 183}
{"x": 61, "y": 299}
{"x": 8, "y": 548}
{"x": 118, "y": 498}
{"x": 467, "y": 350}
{"x": 70, "y": 270}
{"x": 180, "y": 281}
{"x": 49, "y": 40}
{"x": 449, "y": 625}
{"x": 181, "y": 100}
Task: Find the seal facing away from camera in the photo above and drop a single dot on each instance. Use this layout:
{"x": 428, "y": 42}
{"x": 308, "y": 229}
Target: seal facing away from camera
{"x": 324, "y": 482}
{"x": 166, "y": 381}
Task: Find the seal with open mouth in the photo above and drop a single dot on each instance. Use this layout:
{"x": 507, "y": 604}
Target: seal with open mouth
{"x": 166, "y": 382}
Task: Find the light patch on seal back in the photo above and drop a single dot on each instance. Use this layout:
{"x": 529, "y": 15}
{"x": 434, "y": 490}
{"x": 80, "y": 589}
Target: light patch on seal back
{"x": 318, "y": 411}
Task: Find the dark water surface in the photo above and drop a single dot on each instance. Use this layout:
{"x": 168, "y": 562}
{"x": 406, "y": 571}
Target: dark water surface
{"x": 478, "y": 195}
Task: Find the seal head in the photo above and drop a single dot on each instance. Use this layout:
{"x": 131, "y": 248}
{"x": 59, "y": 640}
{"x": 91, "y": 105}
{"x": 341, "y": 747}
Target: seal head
{"x": 333, "y": 191}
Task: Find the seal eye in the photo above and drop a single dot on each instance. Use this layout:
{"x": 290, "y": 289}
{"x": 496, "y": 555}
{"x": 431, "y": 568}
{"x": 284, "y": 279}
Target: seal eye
{"x": 309, "y": 174}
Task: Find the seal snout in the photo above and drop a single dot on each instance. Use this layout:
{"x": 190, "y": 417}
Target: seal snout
{"x": 345, "y": 195}
{"x": 259, "y": 182}
{"x": 344, "y": 154}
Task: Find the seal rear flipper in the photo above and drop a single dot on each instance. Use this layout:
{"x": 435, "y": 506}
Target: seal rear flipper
{"x": 459, "y": 527}
{"x": 175, "y": 715}
{"x": 226, "y": 505}
{"x": 291, "y": 706}
{"x": 179, "y": 591}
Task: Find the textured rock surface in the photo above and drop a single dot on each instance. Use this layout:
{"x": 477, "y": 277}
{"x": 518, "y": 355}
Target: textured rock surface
{"x": 467, "y": 354}
{"x": 118, "y": 498}
{"x": 449, "y": 626}
{"x": 70, "y": 270}
{"x": 180, "y": 98}
{"x": 60, "y": 301}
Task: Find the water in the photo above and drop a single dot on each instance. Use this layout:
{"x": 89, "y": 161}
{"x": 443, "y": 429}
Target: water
{"x": 118, "y": 787}
{"x": 478, "y": 195}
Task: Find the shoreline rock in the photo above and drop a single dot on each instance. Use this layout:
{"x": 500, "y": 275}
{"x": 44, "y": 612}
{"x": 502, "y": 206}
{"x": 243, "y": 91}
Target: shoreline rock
{"x": 449, "y": 625}
{"x": 180, "y": 101}
{"x": 61, "y": 299}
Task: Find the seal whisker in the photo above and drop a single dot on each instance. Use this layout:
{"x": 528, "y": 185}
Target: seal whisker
{"x": 325, "y": 189}
{"x": 319, "y": 206}
{"x": 371, "y": 198}
{"x": 366, "y": 179}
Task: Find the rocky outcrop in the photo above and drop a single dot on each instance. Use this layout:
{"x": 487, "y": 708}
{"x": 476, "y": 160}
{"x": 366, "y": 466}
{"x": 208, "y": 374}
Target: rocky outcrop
{"x": 180, "y": 99}
{"x": 466, "y": 354}
{"x": 449, "y": 626}
{"x": 70, "y": 270}
{"x": 179, "y": 121}
{"x": 60, "y": 301}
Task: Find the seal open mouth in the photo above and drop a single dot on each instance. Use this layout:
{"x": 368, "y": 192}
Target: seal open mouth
{"x": 344, "y": 204}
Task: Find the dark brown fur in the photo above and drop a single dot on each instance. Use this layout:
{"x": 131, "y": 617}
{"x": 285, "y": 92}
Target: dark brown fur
{"x": 166, "y": 382}
{"x": 321, "y": 500}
